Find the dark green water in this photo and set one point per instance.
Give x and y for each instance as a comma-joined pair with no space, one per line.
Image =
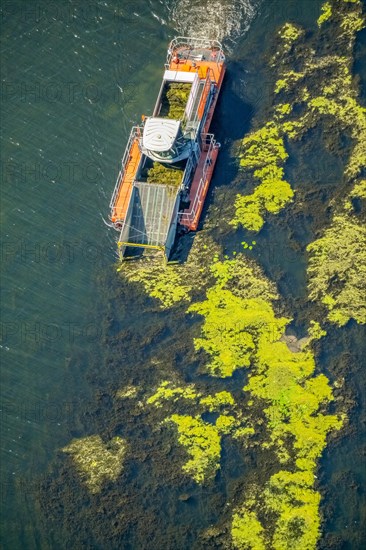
75,76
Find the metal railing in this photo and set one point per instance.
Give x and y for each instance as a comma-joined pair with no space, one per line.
208,144
202,105
134,135
192,43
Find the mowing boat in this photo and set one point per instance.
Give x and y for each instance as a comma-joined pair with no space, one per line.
170,158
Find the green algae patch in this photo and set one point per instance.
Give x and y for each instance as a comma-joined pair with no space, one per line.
358,191
288,497
326,13
96,461
173,284
168,392
216,402
243,278
234,310
282,383
247,531
225,424
322,88
165,283
230,324
291,497
289,34
337,269
263,154
202,443
291,398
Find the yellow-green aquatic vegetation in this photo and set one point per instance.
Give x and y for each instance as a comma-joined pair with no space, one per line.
357,160
289,33
247,532
326,13
243,432
244,278
271,196
359,190
175,99
165,283
225,424
224,336
230,324
283,109
128,392
168,392
263,153
295,503
289,498
263,147
289,80
96,461
353,22
285,382
236,309
202,443
315,331
217,401
164,174
293,400
337,270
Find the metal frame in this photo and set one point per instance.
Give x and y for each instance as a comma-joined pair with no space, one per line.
189,216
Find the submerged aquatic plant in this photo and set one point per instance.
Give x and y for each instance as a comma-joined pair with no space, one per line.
163,282
283,384
326,13
216,402
169,392
263,153
337,269
241,329
96,461
323,87
232,317
202,442
247,531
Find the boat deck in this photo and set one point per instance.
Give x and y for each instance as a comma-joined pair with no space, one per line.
188,65
151,215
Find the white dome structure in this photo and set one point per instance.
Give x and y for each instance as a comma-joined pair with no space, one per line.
160,134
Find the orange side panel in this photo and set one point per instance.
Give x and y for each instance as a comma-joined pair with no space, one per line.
120,207
193,223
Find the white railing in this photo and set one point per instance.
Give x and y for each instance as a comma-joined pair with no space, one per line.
135,134
203,102
187,172
192,43
192,97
